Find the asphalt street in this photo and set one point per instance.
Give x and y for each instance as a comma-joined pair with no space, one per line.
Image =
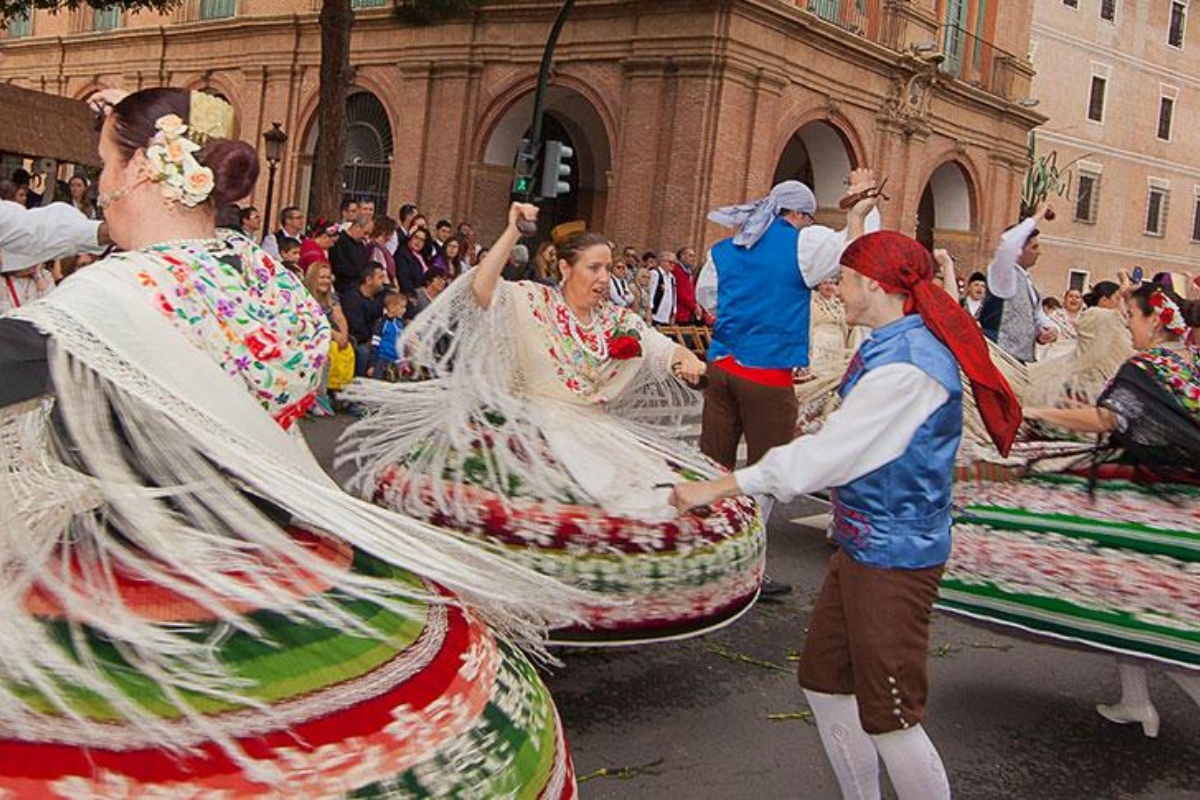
721,717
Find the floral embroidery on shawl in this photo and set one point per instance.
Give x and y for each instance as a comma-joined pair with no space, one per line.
576,350
249,314
1178,374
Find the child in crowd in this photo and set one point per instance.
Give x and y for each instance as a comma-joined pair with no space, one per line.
387,361
289,255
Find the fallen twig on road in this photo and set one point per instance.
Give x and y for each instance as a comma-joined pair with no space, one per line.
621,773
733,655
803,716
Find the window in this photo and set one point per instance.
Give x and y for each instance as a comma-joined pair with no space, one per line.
1087,197
1077,279
1108,10
1196,218
1156,210
368,3
1071,3
217,9
1177,24
1166,107
1096,99
20,26
106,19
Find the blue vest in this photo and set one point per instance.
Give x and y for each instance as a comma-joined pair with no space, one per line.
762,301
898,517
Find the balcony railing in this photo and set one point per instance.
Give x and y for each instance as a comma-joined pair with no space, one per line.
978,62
860,17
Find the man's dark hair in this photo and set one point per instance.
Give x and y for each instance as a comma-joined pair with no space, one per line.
432,275
369,272
444,223
286,212
407,212
21,176
976,276
1035,233
288,243
246,213
346,203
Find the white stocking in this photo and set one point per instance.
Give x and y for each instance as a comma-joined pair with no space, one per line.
847,745
1134,691
1134,705
913,764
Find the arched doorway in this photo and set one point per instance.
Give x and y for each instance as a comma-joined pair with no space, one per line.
367,156
947,210
819,156
570,118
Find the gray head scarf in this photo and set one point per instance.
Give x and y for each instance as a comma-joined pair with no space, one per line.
754,218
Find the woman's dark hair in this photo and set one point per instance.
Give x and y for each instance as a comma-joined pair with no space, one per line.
572,247
1189,308
1100,291
384,226
8,189
234,163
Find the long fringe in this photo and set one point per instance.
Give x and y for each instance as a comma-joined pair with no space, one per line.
149,487
473,422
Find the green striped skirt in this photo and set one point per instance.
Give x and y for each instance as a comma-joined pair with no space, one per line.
1117,570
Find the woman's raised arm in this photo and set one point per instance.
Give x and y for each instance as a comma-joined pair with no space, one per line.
487,274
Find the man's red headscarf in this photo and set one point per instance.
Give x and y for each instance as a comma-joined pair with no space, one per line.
901,264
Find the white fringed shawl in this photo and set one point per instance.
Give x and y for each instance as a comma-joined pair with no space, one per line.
598,432
169,447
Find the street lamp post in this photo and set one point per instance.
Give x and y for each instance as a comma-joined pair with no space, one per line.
275,140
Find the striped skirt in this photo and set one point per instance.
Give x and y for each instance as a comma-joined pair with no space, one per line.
431,705
1117,569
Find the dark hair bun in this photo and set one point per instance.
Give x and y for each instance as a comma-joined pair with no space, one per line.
235,169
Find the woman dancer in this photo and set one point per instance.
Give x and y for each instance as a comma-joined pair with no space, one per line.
190,606
1100,344
538,433
828,344
1110,564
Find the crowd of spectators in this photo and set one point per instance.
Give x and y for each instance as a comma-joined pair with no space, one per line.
372,274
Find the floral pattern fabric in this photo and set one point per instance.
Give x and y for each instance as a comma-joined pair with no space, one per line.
1178,373
589,359
248,313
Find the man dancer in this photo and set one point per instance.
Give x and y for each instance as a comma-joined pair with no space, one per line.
758,283
1011,314
889,452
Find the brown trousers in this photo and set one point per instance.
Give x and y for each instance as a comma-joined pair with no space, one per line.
734,406
869,636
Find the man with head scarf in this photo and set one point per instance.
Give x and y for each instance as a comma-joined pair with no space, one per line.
759,284
888,451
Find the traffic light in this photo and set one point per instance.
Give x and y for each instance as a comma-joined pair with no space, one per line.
554,171
525,168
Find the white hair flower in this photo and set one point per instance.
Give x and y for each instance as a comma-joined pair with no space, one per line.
173,164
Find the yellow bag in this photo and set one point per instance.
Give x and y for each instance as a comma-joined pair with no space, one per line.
341,366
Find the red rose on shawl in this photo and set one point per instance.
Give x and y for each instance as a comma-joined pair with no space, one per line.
624,347
287,417
263,345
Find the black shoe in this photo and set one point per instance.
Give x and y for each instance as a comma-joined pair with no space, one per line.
771,590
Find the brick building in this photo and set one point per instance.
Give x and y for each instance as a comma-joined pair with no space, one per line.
1120,83
672,107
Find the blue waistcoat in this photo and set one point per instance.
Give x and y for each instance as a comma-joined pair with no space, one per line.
762,301
898,516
